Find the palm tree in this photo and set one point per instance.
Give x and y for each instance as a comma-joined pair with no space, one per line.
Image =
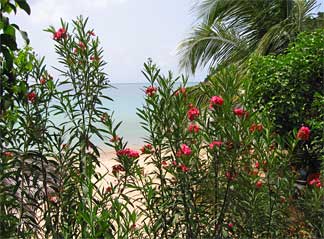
231,30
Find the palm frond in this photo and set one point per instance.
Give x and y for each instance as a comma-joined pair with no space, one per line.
209,45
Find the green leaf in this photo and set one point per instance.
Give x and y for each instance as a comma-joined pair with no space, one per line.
8,41
24,35
23,5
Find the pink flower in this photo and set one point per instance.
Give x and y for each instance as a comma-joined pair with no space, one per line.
183,168
91,33
164,163
230,176
314,179
150,91
174,163
215,100
8,154
258,184
42,81
82,45
230,225
240,112
146,149
217,143
257,165
193,113
31,97
182,90
53,199
193,128
254,127
128,153
59,34
185,149
303,133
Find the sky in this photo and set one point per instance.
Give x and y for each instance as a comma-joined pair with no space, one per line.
130,31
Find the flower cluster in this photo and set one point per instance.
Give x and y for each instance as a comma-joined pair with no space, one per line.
31,97
59,34
147,149
193,113
214,101
256,127
8,154
230,176
314,179
184,150
194,128
240,112
182,91
114,139
117,168
215,143
150,91
303,133
128,153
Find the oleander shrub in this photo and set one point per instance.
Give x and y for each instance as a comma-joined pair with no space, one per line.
218,171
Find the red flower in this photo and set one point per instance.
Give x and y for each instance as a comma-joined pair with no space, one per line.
230,176
53,199
91,33
82,45
8,154
258,184
42,81
150,91
164,163
31,97
193,113
174,163
230,225
254,127
94,58
193,128
217,143
147,149
128,153
257,165
117,168
303,133
108,189
215,100
59,34
103,119
185,149
314,179
240,112
182,90
183,168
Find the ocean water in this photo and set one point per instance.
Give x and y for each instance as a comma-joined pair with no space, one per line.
127,98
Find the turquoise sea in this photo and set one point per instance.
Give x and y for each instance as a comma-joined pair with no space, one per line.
127,97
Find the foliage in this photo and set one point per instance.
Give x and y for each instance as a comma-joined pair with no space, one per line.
8,46
226,184
215,171
230,31
290,87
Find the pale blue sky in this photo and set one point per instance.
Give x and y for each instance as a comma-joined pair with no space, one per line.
130,31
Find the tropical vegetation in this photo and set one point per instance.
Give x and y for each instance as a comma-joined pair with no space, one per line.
238,156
